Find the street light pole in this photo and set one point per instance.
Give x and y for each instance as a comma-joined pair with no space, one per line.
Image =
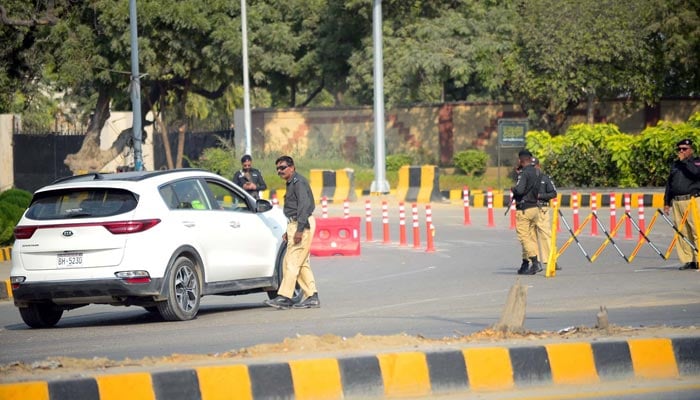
135,89
246,85
380,184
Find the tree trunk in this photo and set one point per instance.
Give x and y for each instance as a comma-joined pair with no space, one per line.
164,132
180,143
90,157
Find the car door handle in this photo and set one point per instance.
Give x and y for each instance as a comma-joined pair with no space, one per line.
234,224
189,224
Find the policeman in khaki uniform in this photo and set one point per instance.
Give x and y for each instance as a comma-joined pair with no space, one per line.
527,213
298,208
682,187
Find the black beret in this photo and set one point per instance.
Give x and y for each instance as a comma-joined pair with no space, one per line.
524,153
686,142
246,157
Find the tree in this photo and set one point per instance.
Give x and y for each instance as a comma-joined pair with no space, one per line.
567,51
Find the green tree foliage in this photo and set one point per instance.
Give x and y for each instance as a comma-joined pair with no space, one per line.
548,56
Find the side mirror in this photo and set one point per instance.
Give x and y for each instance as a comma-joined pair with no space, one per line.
263,205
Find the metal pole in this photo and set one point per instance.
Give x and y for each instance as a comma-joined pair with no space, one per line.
246,85
135,89
380,184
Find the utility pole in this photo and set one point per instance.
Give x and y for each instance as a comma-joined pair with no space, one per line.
380,184
246,85
135,89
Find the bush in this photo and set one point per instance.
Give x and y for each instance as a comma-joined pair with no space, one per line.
395,161
601,155
471,162
13,202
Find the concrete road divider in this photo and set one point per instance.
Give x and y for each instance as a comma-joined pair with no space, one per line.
337,186
419,183
415,373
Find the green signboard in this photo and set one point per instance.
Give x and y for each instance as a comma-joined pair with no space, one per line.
511,132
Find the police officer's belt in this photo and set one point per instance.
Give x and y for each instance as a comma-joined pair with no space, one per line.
685,197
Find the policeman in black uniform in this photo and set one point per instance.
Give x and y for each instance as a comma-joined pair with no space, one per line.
299,206
682,187
526,213
249,178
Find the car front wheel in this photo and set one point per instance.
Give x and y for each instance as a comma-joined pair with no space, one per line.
40,315
184,292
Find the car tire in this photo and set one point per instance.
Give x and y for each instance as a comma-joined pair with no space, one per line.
40,315
279,270
184,292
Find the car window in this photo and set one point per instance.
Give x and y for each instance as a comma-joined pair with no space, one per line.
81,203
185,194
226,198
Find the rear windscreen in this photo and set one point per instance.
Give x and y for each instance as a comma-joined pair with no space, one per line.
81,203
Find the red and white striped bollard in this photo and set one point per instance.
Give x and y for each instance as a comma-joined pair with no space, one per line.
402,224
416,232
368,221
465,201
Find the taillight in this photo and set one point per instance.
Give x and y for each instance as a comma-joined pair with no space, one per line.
121,227
24,232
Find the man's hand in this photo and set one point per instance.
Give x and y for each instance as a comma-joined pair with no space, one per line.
284,236
297,237
666,209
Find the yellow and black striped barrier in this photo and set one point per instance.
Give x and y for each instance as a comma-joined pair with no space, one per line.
337,186
419,184
5,253
414,373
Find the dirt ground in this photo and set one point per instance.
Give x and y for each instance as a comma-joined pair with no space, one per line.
305,346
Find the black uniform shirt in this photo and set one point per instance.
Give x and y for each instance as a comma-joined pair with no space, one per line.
240,177
526,188
299,201
683,179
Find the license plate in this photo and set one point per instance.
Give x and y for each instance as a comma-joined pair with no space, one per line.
68,260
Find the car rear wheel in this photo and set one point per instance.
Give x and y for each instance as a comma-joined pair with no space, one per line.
279,270
41,315
184,292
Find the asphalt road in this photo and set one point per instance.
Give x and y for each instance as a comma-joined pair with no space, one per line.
458,289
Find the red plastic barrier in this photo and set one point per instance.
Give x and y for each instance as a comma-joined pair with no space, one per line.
336,237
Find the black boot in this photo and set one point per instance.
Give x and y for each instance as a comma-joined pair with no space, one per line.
535,266
523,267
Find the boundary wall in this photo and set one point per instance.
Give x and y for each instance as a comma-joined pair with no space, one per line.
412,373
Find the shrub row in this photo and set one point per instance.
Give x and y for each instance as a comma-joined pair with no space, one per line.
13,202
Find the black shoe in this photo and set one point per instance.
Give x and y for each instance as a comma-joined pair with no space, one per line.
280,303
535,266
557,267
690,265
523,267
309,302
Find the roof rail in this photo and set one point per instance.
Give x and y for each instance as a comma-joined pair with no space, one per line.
92,176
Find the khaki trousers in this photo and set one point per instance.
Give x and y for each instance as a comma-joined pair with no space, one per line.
296,266
685,252
544,234
525,229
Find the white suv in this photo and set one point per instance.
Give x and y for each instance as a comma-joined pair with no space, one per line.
160,240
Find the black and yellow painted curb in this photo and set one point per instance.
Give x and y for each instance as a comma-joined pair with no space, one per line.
416,373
